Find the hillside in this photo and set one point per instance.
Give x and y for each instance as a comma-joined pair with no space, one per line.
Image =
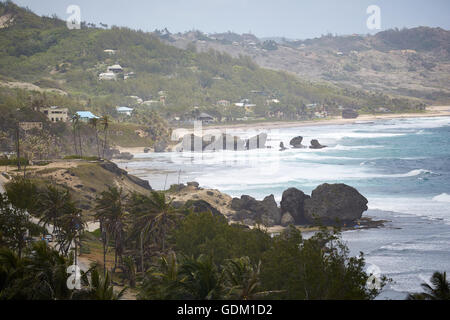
40,53
409,62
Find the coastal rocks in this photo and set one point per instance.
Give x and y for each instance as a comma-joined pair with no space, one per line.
256,142
140,182
193,143
316,145
287,220
160,146
193,184
334,203
282,147
349,114
296,143
292,202
250,209
199,206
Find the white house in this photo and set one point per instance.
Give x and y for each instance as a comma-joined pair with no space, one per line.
115,68
124,110
110,51
107,76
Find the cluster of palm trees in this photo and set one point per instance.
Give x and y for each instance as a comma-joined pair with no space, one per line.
199,278
98,124
135,226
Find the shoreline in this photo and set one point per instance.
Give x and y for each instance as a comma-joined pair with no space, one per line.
433,111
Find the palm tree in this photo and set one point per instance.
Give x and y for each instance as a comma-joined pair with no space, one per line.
153,217
52,205
94,123
165,218
75,126
440,289
201,278
112,215
71,225
104,121
97,287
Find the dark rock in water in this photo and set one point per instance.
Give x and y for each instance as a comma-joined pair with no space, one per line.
265,211
256,142
297,143
316,145
282,147
334,203
225,142
193,184
202,206
293,201
349,114
147,150
287,220
140,182
160,146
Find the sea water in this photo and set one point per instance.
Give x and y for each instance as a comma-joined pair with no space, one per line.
402,166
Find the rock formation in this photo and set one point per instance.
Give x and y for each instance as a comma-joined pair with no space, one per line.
296,143
253,211
334,203
256,142
292,202
316,145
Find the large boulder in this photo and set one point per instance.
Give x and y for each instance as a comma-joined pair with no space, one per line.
332,204
292,202
287,220
316,145
249,209
202,206
256,142
296,143
225,142
160,146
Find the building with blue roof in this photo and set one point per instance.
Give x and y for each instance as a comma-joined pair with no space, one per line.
86,115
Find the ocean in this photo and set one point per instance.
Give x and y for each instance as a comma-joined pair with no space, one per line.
401,166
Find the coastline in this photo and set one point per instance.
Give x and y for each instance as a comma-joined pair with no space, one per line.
432,111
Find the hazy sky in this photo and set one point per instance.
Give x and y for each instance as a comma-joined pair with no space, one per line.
297,19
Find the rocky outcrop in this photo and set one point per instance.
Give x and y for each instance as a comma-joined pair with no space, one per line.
160,146
349,114
296,143
112,167
201,206
287,220
193,184
292,202
256,142
253,211
316,145
225,142
334,204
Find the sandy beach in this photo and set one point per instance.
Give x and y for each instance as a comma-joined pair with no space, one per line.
432,111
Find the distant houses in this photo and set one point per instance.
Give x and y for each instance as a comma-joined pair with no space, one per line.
117,68
85,116
205,118
56,114
27,126
124,111
107,76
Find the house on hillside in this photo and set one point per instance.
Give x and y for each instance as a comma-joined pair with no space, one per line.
56,114
85,116
115,69
223,103
111,52
124,110
206,118
107,76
